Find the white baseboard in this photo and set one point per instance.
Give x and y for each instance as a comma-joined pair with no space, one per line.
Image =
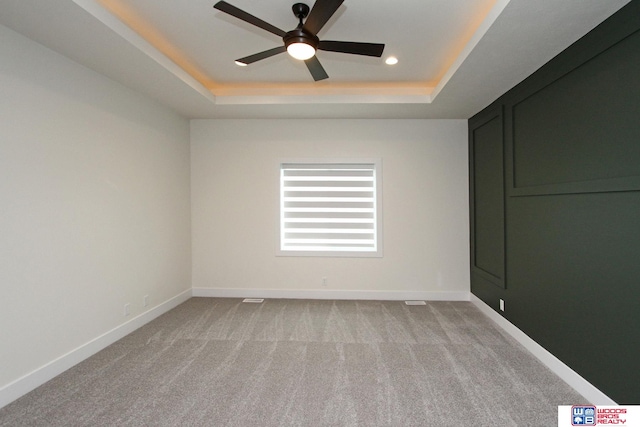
331,294
568,375
32,380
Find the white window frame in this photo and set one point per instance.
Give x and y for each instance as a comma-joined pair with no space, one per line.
375,210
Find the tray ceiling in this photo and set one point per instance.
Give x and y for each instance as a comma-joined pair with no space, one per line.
455,56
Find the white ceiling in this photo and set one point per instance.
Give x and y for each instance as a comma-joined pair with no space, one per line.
456,56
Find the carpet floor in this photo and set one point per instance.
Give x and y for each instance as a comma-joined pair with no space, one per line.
222,362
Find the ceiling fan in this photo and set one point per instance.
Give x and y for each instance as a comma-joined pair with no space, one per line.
302,42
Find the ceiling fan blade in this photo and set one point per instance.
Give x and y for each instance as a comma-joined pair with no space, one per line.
321,12
246,17
262,55
368,49
316,69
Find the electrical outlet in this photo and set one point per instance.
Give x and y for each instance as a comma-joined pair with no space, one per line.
145,300
501,304
127,309
324,281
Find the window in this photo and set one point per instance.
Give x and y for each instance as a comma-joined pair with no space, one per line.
331,208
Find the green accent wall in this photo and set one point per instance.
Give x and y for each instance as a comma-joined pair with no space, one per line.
555,206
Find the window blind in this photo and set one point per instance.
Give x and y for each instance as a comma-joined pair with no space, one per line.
328,207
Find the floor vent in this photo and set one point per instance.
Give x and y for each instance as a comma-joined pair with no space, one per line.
253,300
415,302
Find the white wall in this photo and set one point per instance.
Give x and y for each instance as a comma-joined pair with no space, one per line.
94,205
234,176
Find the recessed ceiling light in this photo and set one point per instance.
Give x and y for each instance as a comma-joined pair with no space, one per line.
392,60
241,64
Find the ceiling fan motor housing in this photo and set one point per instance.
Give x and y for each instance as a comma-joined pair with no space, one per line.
299,35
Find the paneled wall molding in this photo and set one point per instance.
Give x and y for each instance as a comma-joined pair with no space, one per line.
550,148
568,212
486,184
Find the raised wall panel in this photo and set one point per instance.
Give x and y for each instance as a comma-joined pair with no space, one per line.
487,201
574,276
577,134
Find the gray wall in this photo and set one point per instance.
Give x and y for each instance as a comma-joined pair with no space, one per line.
94,207
235,208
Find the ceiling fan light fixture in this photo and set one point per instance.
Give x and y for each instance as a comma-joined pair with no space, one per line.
302,42
301,51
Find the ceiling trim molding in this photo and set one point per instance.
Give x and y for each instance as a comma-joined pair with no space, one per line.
103,15
477,36
322,99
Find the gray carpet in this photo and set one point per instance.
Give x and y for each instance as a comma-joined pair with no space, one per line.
221,362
